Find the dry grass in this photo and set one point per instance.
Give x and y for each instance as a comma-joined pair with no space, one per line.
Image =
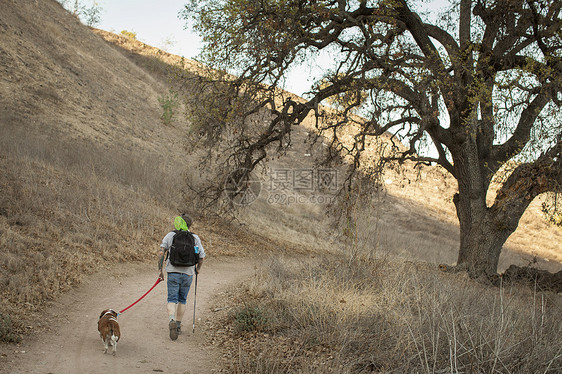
334,314
66,211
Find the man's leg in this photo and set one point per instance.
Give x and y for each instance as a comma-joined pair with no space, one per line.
185,285
173,293
172,310
173,326
179,315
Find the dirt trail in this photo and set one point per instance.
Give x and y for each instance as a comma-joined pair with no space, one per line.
71,343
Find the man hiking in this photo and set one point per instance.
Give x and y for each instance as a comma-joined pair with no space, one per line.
183,252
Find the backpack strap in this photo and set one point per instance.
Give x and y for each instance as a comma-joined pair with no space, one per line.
168,250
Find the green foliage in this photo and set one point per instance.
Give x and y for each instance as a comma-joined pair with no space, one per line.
251,318
7,333
89,15
129,34
169,102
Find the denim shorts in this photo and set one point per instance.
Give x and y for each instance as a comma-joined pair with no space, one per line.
178,287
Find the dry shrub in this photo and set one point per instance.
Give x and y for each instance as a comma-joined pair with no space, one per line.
333,315
6,330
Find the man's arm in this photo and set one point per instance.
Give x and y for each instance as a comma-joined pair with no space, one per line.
164,247
199,264
161,263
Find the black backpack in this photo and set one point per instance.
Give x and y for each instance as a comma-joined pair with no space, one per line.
182,251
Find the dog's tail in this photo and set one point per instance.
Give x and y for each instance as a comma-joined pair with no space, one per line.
112,331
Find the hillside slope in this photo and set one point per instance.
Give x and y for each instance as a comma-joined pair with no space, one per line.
89,175
58,77
83,179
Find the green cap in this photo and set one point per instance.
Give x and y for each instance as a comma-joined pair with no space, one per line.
180,224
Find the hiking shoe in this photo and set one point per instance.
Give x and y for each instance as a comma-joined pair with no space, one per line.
179,329
173,330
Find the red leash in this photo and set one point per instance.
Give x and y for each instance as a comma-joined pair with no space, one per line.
155,284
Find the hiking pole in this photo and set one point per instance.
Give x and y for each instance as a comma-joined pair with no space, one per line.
194,301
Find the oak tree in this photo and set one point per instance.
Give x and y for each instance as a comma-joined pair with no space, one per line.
481,85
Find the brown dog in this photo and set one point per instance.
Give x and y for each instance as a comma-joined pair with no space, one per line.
109,329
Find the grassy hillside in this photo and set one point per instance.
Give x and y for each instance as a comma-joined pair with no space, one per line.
85,180
90,176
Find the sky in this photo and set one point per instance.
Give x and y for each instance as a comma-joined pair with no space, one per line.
156,23
153,21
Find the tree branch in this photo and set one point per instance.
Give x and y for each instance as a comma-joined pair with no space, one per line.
529,180
522,134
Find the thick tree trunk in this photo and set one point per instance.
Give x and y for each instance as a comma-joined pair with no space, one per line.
483,229
483,233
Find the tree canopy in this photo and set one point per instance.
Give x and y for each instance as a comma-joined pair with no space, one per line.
481,85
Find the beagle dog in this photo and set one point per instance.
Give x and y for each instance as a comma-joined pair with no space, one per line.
109,329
